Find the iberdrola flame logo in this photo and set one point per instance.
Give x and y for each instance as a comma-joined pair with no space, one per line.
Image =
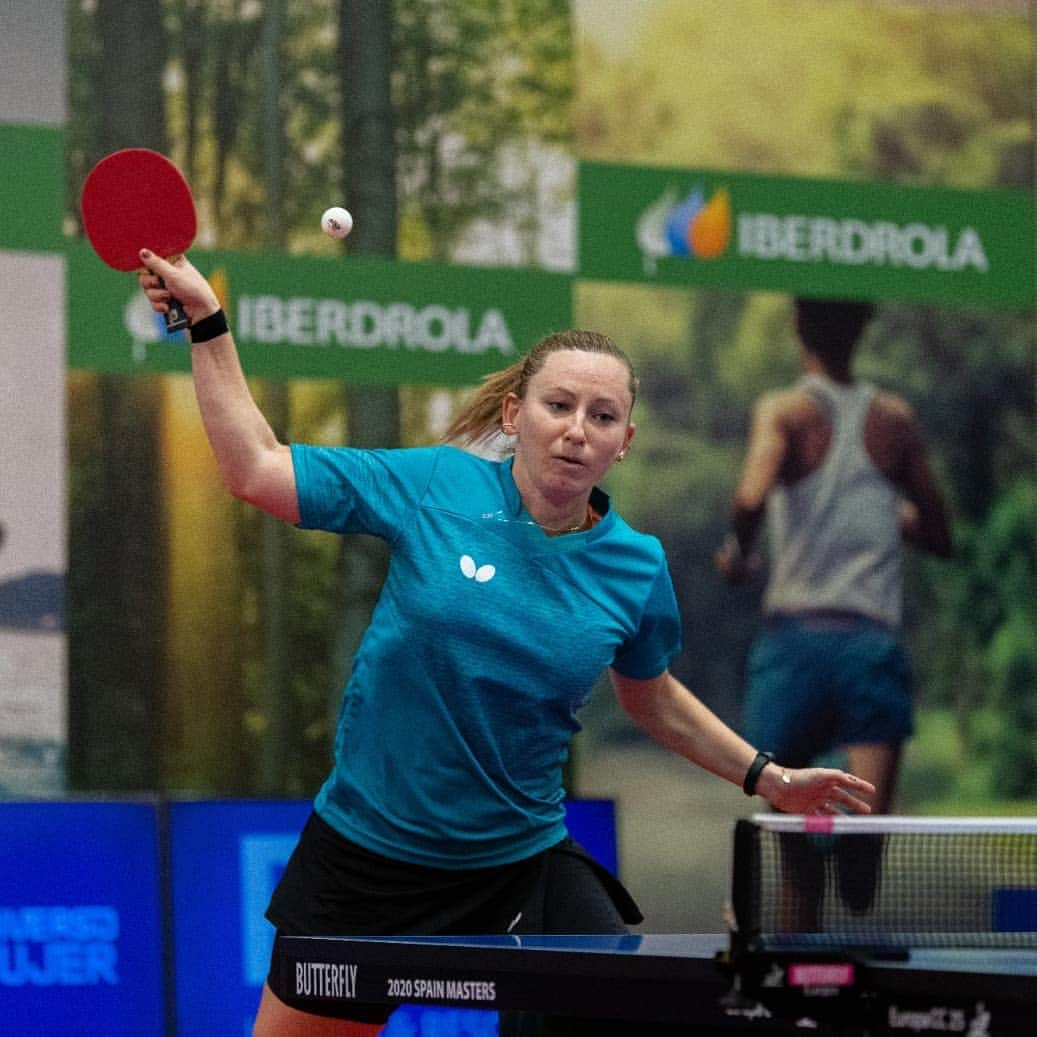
692,226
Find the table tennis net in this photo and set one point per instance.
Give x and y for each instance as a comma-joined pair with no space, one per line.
882,883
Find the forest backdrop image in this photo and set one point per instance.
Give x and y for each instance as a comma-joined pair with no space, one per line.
894,93
208,646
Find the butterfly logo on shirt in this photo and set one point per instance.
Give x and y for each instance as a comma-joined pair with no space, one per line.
479,573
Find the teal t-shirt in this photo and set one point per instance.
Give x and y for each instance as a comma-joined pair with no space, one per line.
486,639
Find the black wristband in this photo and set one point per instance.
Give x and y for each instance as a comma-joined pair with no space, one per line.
210,327
752,775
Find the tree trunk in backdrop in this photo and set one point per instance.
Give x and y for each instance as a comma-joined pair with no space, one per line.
369,164
272,777
117,562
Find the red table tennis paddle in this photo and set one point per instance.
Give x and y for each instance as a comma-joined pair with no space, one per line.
133,199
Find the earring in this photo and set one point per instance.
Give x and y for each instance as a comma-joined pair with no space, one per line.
508,429
620,456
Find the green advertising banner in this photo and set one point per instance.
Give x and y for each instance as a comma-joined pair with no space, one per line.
363,321
700,228
32,187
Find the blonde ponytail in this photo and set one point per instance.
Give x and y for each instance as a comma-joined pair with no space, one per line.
481,417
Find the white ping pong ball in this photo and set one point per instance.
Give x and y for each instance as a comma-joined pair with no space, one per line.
336,222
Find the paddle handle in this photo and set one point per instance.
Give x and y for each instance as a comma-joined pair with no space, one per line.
176,316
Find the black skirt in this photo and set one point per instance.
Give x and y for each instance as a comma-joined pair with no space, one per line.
332,887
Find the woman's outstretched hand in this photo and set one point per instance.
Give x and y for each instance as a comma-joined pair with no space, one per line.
814,790
161,279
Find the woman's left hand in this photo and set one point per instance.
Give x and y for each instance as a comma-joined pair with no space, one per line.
814,790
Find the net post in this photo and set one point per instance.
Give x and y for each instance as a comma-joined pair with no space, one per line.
745,884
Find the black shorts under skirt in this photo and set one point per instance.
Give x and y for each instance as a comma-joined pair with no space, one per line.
332,887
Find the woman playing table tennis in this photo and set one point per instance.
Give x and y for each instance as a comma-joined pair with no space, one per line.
511,586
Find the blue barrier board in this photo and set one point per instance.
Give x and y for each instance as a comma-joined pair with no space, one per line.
81,928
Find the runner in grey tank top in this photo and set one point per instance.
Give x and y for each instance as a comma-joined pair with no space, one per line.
835,535
839,472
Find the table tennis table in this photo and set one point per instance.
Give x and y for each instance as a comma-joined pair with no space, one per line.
672,984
